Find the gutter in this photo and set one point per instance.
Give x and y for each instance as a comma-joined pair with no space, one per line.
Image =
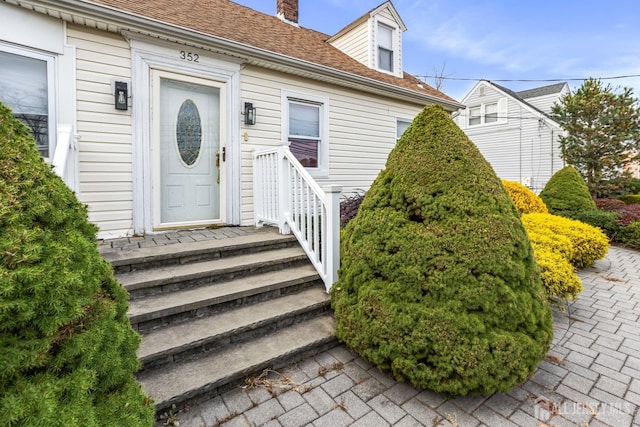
117,19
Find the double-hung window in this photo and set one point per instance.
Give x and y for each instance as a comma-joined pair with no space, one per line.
475,116
385,48
491,113
304,132
26,86
485,114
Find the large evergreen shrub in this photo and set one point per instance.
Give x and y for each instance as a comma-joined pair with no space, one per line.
566,194
67,350
438,282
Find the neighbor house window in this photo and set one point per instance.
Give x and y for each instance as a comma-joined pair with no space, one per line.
385,48
401,126
475,116
26,87
304,132
491,113
484,114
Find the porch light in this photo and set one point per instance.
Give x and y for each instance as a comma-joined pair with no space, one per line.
121,95
249,113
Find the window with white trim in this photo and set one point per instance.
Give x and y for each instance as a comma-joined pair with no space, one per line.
26,86
486,113
401,126
385,48
305,133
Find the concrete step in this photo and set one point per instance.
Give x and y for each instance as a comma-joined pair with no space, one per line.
159,310
174,277
198,379
263,239
181,341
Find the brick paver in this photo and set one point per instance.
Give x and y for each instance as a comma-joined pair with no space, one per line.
590,378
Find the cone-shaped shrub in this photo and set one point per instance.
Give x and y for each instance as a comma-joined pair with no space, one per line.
566,194
526,201
67,350
438,282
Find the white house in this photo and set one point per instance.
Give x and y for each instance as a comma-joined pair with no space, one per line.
514,130
154,111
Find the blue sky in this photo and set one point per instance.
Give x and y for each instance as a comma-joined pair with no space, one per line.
500,39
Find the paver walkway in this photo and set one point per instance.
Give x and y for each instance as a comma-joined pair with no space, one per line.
591,376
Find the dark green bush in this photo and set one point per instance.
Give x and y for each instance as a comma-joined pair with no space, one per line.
566,194
438,282
67,350
630,235
605,221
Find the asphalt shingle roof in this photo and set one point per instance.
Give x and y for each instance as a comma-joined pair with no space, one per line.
237,23
541,91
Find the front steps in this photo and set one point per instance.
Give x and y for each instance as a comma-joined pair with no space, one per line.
213,312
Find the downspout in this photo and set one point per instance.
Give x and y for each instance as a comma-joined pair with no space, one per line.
552,151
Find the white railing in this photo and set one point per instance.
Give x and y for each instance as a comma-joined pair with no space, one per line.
64,158
285,195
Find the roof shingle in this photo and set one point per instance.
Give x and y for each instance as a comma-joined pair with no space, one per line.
237,23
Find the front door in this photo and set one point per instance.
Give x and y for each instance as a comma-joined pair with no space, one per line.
188,153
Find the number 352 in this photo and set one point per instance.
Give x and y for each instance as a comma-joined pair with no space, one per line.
188,56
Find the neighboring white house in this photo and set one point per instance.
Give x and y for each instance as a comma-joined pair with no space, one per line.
514,130
152,110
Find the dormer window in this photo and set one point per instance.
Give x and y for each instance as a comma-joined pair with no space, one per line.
375,39
385,48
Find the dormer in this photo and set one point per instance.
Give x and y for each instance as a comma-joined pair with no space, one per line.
375,39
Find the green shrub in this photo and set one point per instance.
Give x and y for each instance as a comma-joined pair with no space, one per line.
526,201
566,194
438,282
67,350
589,243
605,221
630,199
630,235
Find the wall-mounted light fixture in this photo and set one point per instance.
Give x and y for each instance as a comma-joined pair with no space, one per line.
121,96
249,113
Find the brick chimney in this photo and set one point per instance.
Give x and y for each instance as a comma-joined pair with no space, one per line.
287,11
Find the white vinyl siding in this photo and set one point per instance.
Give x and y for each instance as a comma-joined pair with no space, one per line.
520,148
355,43
362,129
544,103
105,144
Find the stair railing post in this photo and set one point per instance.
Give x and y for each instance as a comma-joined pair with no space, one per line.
284,188
332,234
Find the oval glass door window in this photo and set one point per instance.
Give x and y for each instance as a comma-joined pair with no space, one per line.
189,132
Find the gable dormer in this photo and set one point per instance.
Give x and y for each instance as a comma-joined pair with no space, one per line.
375,39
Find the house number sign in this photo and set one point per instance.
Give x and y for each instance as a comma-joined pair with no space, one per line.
188,56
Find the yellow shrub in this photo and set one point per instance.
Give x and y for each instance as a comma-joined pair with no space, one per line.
589,243
557,274
545,238
526,201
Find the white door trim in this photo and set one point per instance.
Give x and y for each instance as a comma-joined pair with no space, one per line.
166,56
156,76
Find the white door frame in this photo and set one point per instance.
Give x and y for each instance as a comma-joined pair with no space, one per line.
148,55
156,77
